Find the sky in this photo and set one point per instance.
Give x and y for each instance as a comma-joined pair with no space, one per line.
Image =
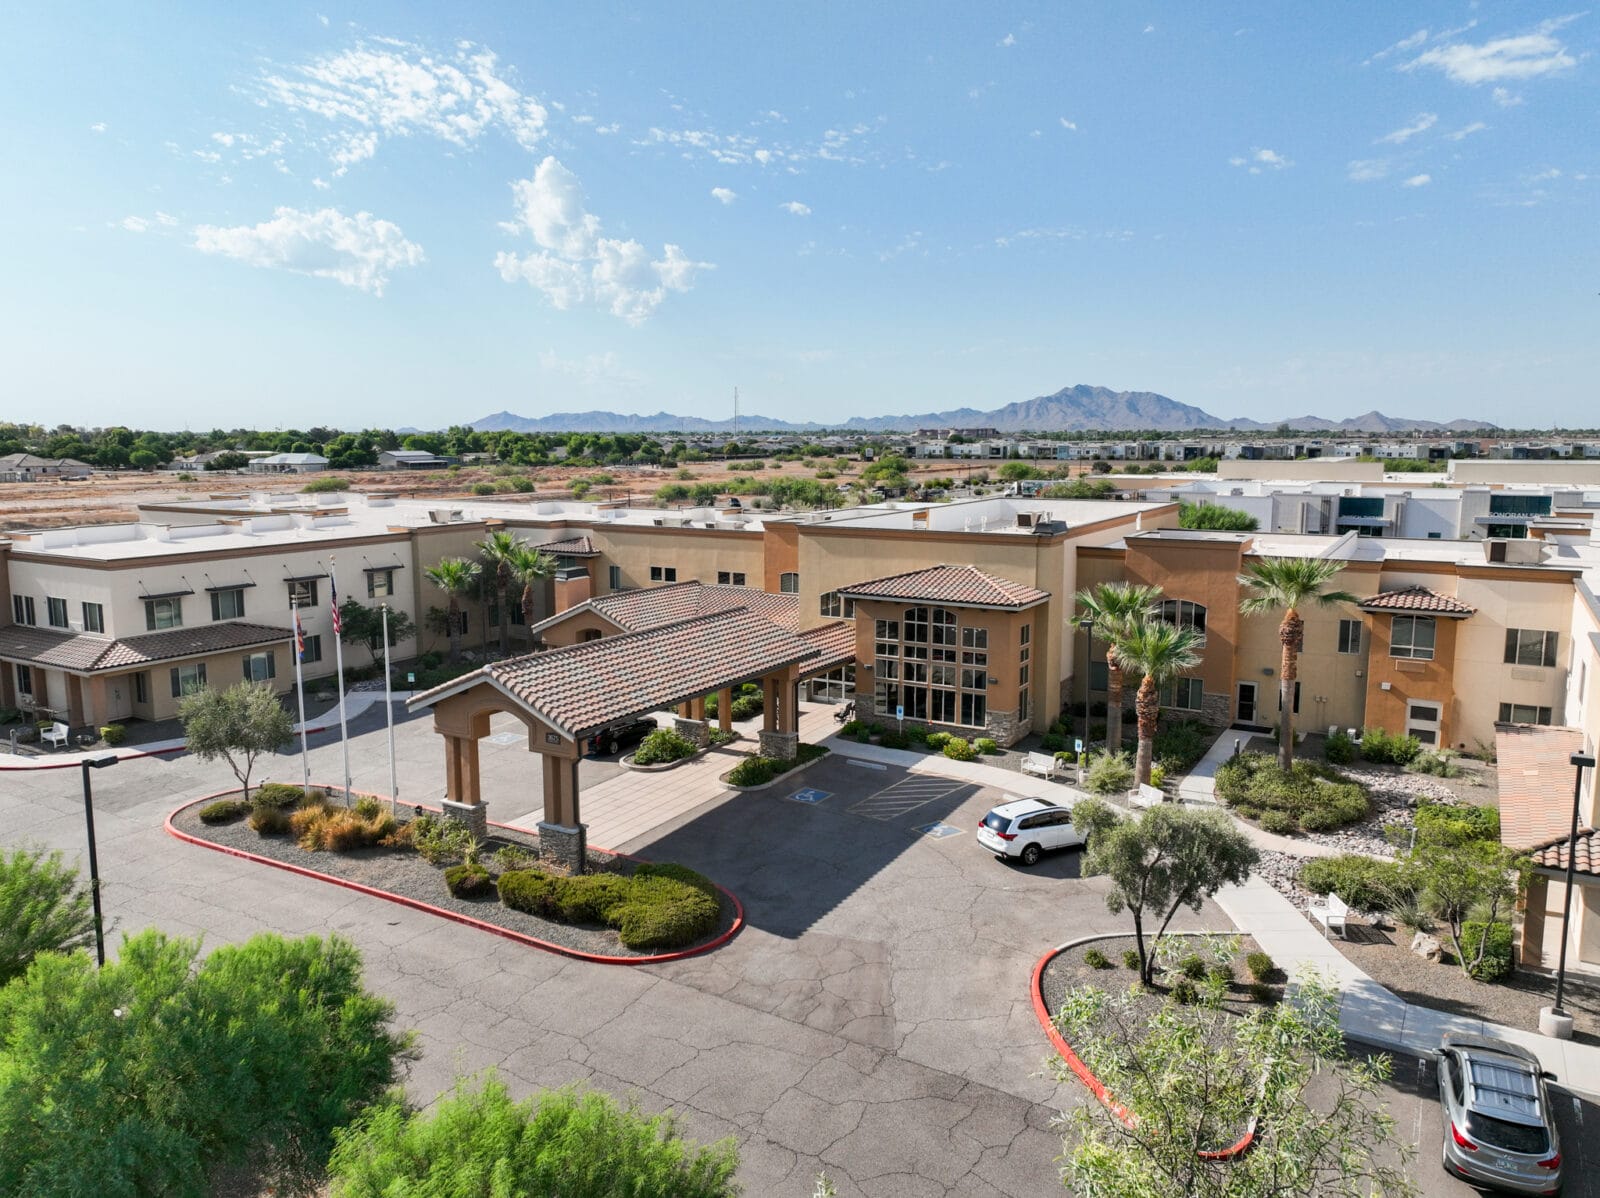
390,215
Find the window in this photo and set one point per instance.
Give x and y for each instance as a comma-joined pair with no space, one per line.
163,613
1523,713
380,584
887,635
1296,697
730,578
789,583
56,612
188,679
1182,693
1022,704
24,680
313,649
94,618
1184,614
1412,636
303,593
975,638
833,604
1530,647
1349,636
916,625
22,609
944,631
227,605
614,577
663,573
1099,675
141,687
974,709
258,667
975,679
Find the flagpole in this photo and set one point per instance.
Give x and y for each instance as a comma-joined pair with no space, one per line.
338,657
300,695
388,711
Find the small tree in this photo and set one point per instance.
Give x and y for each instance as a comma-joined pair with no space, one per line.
1167,858
1190,1077
42,909
363,625
1207,515
1115,608
1460,879
238,725
1161,652
456,577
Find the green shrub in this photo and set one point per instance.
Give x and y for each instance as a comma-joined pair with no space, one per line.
958,749
894,740
327,484
1495,940
986,746
1365,883
1184,991
1158,775
578,1144
223,811
1279,823
1130,959
1220,974
1444,823
468,879
278,794
678,873
43,908
938,740
1316,796
664,913
589,898
368,807
746,707
664,745
1181,743
1441,764
268,820
852,727
1051,742
113,734
1109,773
1260,965
512,856
530,891
1379,746
1193,966
752,771
1339,749
1262,993
1095,959
1246,811
442,841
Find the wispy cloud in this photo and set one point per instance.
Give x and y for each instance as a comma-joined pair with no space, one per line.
796,208
724,195
574,265
1466,131
1070,126
1418,181
1423,122
98,127
135,224
1400,47
1505,98
358,251
1525,56
743,149
1366,170
1009,40
1260,160
591,370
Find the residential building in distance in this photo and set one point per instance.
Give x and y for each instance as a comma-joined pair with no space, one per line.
27,468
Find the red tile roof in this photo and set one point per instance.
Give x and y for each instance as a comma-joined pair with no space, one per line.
86,654
579,546
960,586
1535,776
651,607
836,642
1554,855
1418,599
584,687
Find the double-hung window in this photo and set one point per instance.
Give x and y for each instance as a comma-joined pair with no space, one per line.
1182,693
259,667
1530,647
1524,713
303,593
227,605
56,611
94,617
1413,637
163,613
663,573
730,578
22,610
1349,636
188,679
380,584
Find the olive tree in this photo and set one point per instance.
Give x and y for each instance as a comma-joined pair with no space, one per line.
1458,880
238,725
1166,858
1190,1079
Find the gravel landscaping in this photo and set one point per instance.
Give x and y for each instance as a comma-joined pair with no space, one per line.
1068,970
407,875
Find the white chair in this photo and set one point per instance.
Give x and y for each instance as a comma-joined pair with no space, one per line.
1042,764
57,735
1331,914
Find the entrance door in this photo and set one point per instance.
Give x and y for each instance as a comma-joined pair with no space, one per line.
1422,721
1247,702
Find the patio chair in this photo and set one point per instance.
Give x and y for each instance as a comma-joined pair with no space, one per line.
57,734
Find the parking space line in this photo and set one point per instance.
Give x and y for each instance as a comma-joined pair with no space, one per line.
904,797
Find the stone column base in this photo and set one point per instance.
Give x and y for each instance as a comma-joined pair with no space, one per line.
569,846
474,815
695,730
784,746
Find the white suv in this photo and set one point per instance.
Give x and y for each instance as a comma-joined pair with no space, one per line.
1027,828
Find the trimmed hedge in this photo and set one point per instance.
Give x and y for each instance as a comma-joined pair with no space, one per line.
752,771
664,745
1310,795
1496,962
1366,883
281,795
1385,749
223,811
468,879
662,906
959,749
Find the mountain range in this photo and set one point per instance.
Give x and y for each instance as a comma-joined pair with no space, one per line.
1072,409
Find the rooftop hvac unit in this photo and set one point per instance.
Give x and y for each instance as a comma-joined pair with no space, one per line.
1024,519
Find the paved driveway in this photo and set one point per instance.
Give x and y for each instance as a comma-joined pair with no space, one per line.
872,1020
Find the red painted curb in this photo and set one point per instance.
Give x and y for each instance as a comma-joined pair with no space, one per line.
1095,1085
67,765
458,917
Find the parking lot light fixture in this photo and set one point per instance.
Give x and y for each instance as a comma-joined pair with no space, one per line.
1087,624
1580,762
94,763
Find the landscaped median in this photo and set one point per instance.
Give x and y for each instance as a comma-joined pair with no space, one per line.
624,911
757,773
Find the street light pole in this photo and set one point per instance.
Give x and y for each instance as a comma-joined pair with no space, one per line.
94,763
1088,665
1579,762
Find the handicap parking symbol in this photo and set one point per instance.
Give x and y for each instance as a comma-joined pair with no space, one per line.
810,795
937,831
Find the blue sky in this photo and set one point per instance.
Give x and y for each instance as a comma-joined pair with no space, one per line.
412,215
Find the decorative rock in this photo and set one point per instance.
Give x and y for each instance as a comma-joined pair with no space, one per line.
1427,947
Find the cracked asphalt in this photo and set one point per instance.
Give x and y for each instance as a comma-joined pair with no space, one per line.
873,1019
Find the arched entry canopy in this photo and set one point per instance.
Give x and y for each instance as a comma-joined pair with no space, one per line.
564,696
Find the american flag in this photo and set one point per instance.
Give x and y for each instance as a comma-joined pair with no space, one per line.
299,637
333,598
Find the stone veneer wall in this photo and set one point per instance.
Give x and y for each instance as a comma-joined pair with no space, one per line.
1003,727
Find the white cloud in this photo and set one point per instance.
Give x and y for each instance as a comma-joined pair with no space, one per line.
575,265
1506,99
98,127
1466,131
591,370
613,127
1526,56
796,208
358,251
321,184
1399,47
1149,28
1071,126
223,139
1010,39
323,19
384,88
725,195
135,224
1423,122
1418,181
1365,170
1260,160
166,218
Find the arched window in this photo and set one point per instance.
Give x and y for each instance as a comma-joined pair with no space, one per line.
1184,614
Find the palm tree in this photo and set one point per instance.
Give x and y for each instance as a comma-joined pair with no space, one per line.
1160,651
1290,583
1114,607
528,566
454,576
498,550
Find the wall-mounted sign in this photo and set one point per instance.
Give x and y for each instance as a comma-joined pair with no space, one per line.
552,738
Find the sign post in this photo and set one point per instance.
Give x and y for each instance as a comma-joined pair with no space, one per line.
900,717
1077,755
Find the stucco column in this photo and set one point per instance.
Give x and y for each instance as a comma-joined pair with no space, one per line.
560,790
724,709
8,683
1534,904
96,706
461,769
75,717
769,704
